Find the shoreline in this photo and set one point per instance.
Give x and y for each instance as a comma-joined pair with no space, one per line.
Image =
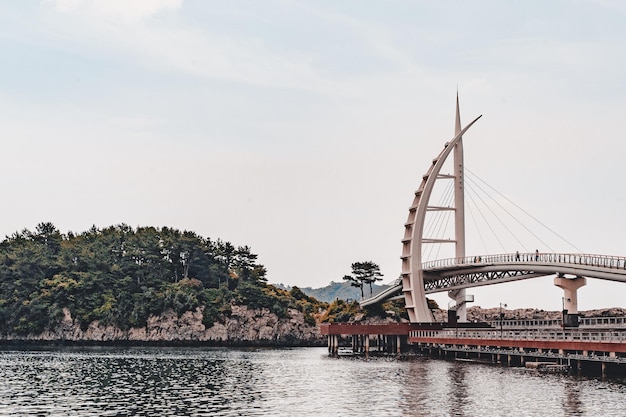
135,343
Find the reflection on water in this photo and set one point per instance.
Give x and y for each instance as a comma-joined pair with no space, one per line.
458,390
284,382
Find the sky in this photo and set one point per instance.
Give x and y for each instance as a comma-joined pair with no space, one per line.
302,128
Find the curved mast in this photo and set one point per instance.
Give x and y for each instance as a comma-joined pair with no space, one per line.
412,274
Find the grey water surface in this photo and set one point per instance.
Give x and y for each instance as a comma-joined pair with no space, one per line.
284,382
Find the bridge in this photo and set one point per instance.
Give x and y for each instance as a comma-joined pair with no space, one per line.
571,342
460,272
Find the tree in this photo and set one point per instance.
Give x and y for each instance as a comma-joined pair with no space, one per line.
354,282
368,272
121,276
364,273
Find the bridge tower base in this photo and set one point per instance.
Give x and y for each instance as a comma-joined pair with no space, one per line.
570,288
460,304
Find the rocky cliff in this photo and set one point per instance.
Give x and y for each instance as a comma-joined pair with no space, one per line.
243,327
248,327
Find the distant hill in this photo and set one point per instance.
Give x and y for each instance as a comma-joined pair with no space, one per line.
337,290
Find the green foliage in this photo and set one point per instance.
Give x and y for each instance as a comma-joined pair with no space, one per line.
217,307
309,306
182,296
120,276
258,295
397,308
298,294
340,311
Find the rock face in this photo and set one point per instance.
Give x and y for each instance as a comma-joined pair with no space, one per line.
243,327
251,327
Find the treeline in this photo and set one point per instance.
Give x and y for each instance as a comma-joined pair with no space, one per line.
120,276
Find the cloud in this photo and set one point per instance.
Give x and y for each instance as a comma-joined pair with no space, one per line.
613,5
136,9
250,56
122,30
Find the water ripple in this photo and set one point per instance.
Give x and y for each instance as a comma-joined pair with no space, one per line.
283,382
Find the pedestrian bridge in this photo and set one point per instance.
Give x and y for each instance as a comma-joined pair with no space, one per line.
420,277
475,271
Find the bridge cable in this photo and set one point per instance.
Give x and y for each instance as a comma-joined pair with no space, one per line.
446,216
511,215
498,217
437,223
435,217
485,219
471,212
525,212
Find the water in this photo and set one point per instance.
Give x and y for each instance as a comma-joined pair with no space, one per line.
284,382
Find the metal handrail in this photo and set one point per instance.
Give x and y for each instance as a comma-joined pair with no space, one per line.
583,322
587,335
603,261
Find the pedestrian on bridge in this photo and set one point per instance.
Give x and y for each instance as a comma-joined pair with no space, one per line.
517,255
536,254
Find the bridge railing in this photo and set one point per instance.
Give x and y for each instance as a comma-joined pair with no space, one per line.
602,261
590,323
523,324
523,334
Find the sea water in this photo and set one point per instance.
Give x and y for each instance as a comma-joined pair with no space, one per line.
284,382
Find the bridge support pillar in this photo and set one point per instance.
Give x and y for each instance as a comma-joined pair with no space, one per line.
460,300
333,344
570,288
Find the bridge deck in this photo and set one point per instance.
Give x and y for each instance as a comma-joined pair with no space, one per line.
473,271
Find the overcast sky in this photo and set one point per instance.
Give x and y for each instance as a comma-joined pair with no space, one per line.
302,128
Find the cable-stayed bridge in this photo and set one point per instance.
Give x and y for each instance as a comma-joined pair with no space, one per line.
569,343
456,273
